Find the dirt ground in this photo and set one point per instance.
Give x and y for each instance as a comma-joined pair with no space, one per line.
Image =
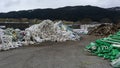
70,54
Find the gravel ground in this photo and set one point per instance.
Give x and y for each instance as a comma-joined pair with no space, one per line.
70,54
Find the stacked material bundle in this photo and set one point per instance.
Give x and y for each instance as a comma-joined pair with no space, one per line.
108,48
44,31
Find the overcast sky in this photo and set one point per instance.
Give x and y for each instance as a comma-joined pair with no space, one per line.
15,5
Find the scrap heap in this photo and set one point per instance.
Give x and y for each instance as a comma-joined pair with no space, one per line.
48,31
44,31
104,29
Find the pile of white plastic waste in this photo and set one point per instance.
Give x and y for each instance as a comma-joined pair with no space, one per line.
48,31
44,31
10,38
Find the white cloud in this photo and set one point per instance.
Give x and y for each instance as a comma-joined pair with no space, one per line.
12,5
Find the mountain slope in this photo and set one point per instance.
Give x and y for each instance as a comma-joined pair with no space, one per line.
74,13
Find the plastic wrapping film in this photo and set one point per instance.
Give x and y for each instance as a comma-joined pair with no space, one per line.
47,30
108,48
44,31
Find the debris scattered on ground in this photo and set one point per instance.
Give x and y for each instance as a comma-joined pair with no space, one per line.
108,48
84,28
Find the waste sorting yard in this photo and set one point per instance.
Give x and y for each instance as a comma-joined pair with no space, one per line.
55,45
69,54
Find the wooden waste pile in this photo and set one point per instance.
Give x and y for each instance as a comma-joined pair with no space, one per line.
104,29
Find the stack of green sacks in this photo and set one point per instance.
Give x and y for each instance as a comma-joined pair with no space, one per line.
103,49
108,48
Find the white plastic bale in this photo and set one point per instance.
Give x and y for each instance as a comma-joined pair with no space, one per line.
19,43
6,42
15,44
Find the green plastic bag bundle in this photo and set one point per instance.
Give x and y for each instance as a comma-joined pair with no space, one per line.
108,48
103,49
